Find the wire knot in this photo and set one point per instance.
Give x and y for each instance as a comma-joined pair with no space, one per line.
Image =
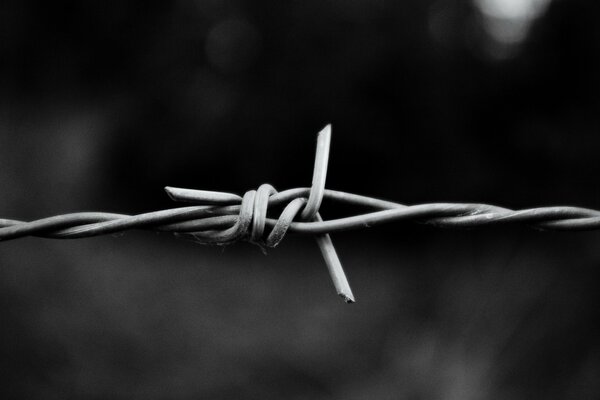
251,218
245,218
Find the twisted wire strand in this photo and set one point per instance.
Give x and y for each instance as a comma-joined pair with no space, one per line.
222,218
205,221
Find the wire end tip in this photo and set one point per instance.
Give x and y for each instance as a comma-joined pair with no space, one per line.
325,131
348,298
170,192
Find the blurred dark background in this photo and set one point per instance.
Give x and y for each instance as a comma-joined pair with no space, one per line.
104,103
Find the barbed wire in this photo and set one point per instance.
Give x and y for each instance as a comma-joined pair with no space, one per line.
224,218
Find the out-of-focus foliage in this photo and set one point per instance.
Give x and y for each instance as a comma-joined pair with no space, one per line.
104,103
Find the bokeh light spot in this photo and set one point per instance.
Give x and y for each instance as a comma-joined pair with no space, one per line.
507,22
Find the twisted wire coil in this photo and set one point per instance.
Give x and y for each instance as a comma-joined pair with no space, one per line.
224,218
208,223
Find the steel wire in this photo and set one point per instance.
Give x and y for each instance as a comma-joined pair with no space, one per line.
203,218
223,218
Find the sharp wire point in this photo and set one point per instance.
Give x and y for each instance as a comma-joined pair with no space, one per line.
311,213
347,299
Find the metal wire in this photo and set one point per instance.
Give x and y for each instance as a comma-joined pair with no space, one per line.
196,219
223,218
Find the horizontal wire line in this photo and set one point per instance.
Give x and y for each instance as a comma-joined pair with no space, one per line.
209,218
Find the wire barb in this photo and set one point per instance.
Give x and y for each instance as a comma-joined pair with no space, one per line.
224,218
